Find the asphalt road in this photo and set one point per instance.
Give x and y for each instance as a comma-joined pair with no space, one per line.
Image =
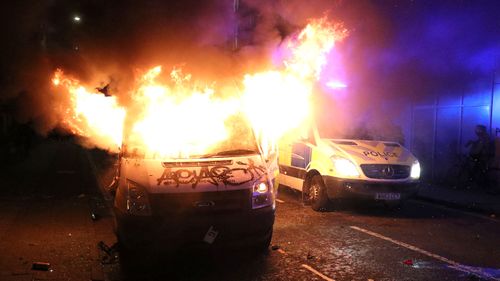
47,202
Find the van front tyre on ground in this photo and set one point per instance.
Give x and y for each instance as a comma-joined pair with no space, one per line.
317,196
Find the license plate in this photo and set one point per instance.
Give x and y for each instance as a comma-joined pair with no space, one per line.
387,196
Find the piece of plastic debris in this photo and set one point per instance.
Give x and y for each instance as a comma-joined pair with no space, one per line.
105,248
408,262
94,216
38,265
211,235
275,247
110,252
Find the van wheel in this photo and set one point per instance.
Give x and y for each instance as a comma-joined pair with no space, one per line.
317,196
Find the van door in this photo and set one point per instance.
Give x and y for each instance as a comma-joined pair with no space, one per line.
295,172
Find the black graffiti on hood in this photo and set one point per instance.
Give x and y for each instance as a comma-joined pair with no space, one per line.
215,175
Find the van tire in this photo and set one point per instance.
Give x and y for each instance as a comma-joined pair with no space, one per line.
316,194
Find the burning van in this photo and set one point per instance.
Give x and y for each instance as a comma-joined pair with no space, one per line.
326,169
224,196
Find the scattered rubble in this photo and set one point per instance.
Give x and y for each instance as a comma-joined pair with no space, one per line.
43,266
110,253
309,256
408,262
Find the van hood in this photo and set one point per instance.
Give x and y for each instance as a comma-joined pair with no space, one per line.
195,175
372,152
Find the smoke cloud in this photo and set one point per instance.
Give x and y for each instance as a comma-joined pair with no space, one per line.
396,51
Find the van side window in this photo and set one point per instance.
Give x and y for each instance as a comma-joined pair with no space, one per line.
301,155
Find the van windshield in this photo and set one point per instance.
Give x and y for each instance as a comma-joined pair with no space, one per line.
240,140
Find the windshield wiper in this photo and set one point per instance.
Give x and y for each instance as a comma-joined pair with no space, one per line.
236,152
233,152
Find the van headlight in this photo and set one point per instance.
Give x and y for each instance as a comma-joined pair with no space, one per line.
137,199
261,187
345,167
415,171
262,195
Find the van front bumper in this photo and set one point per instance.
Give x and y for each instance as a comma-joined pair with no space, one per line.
362,189
237,229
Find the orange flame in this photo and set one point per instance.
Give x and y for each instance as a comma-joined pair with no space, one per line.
180,118
284,96
195,118
91,114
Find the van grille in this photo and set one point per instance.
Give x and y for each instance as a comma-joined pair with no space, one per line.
385,171
200,202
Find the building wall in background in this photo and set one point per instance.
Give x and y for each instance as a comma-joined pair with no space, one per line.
441,126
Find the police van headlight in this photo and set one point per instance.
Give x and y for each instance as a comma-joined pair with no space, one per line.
262,195
415,170
345,167
137,199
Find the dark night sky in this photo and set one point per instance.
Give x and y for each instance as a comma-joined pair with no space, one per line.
396,49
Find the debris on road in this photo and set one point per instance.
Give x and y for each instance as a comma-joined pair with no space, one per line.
105,248
211,235
408,262
110,252
275,247
94,216
309,256
43,266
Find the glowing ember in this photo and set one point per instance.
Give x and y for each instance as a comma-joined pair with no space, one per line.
179,118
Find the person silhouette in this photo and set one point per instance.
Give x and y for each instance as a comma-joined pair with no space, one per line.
479,156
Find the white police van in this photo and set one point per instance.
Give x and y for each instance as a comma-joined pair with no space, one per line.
325,169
